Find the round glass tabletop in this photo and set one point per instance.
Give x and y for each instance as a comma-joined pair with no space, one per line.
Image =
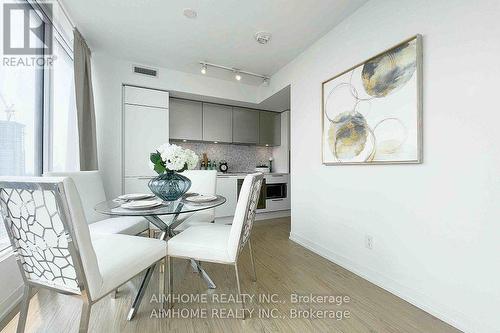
114,207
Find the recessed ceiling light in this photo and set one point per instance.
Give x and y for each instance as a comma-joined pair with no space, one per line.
190,13
263,37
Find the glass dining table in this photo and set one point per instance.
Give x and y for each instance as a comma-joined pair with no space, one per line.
172,209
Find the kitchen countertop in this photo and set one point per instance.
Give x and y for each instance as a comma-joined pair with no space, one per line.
242,174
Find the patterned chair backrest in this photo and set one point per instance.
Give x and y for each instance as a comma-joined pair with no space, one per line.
36,215
245,213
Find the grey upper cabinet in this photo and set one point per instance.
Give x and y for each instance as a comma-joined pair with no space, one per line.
245,126
217,123
185,120
269,128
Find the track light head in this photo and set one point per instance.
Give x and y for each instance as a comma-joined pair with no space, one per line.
203,69
237,75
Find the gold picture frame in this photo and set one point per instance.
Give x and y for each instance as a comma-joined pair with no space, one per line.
373,110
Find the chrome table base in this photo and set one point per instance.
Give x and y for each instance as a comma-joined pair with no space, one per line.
167,232
203,274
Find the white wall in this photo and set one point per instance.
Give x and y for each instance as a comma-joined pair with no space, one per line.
436,225
108,75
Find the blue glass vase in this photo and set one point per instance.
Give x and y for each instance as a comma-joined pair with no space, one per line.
169,186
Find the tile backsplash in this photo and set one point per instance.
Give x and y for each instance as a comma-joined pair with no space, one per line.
238,157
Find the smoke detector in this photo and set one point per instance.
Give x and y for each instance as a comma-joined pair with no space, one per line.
190,13
262,37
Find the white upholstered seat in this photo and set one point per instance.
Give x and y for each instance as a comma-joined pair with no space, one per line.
118,255
91,189
126,225
206,243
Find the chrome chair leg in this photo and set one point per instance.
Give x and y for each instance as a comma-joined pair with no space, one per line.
170,282
239,290
23,313
161,278
85,316
252,259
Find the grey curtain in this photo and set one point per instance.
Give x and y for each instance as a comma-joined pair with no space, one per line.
84,103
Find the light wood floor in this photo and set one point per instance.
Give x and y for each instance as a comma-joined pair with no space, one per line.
283,267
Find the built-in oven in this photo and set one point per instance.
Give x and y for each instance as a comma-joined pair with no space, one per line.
262,197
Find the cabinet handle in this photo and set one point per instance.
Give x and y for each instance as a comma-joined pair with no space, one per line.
276,199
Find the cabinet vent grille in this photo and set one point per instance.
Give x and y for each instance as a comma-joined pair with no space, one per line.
145,71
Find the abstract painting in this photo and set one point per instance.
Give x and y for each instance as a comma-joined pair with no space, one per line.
372,112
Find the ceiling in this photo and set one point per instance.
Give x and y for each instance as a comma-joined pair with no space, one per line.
278,102
155,32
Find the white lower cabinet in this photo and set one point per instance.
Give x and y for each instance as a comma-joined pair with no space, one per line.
227,187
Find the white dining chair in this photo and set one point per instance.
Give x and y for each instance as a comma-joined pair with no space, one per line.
50,237
91,189
202,182
218,243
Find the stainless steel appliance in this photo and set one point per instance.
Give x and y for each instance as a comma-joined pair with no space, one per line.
276,191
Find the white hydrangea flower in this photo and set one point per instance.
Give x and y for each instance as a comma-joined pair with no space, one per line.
176,158
192,159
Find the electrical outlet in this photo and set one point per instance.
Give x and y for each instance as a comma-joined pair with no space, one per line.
369,242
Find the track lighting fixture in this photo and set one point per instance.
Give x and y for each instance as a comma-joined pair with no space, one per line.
238,73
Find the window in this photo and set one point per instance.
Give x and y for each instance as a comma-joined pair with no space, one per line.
62,130
21,95
38,128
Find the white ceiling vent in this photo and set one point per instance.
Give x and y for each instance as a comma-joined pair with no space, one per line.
151,72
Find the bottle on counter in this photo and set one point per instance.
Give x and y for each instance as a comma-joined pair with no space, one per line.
209,165
270,164
203,165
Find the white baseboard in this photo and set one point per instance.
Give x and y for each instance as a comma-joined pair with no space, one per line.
437,309
272,215
258,216
9,303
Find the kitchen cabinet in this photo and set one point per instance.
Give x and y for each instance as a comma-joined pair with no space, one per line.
227,187
145,128
245,126
269,128
217,123
146,97
186,120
